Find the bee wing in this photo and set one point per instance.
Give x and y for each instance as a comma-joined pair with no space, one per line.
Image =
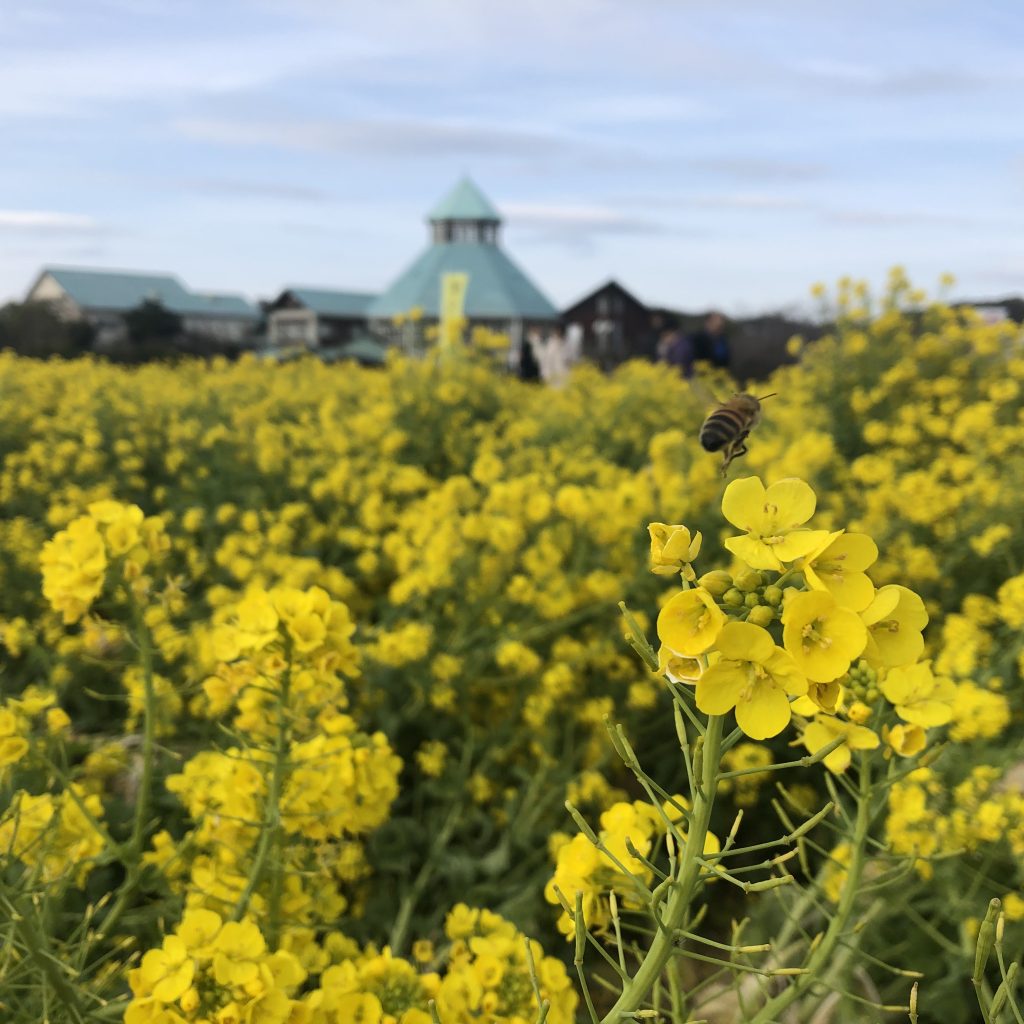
704,393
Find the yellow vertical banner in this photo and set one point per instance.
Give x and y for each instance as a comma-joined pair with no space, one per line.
453,303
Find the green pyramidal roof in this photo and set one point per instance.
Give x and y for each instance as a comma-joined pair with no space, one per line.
465,202
497,288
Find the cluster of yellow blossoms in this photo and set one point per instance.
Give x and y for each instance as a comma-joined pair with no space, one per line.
215,972
279,660
75,562
211,970
718,635
617,866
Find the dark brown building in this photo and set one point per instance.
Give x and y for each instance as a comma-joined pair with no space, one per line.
616,326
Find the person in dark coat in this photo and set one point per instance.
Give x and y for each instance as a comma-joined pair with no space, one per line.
711,342
676,349
529,365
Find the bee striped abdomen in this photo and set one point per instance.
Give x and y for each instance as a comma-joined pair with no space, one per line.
721,427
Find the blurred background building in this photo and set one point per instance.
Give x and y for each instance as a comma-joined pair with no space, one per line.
465,238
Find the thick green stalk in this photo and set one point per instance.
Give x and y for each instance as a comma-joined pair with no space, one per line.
271,832
825,951
674,909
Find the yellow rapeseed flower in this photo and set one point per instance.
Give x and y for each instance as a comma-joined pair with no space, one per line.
822,637
895,619
673,549
838,566
905,740
773,519
824,731
690,622
919,696
753,676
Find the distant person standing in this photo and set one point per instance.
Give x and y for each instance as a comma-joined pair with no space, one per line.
711,342
529,361
676,349
555,359
574,343
647,342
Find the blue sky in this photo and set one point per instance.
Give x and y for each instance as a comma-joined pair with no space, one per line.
704,154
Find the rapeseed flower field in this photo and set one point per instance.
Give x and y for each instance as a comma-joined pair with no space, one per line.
422,694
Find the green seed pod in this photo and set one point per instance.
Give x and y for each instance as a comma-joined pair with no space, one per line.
733,598
749,579
986,939
716,583
1003,992
762,615
773,595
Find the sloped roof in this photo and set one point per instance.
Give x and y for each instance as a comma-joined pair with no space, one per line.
112,289
464,202
497,289
216,304
612,284
330,303
121,291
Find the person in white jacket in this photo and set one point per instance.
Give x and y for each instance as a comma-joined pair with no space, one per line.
554,359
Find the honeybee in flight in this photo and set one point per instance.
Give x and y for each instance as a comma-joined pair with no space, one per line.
727,427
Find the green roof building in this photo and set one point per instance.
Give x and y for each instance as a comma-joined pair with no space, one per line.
464,229
102,297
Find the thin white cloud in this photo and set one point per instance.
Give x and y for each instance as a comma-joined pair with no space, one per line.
750,201
240,188
46,220
904,81
751,168
635,108
883,218
567,217
48,80
386,137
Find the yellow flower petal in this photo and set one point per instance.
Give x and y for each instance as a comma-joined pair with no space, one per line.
744,641
765,714
743,503
754,552
720,687
793,502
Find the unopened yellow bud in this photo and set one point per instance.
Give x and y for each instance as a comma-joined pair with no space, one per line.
716,583
733,598
858,712
749,579
762,615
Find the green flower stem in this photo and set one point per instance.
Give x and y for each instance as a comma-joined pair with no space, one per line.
825,950
271,832
401,926
131,850
145,795
800,762
663,945
36,942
